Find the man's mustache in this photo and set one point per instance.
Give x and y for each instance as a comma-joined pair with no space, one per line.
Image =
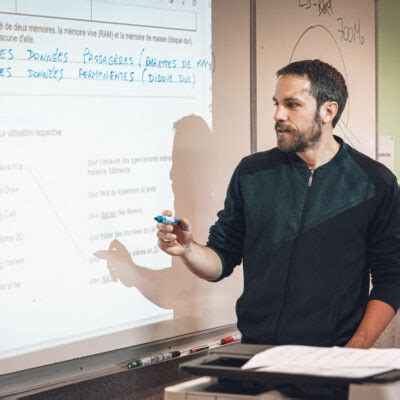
281,126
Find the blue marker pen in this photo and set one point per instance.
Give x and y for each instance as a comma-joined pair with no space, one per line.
163,219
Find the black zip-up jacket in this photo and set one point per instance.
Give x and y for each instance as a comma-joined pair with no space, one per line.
309,242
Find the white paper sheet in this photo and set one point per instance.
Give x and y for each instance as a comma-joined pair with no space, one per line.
323,361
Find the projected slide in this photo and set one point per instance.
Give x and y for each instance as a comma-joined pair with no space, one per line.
90,91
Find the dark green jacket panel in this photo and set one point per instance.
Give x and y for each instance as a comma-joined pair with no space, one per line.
330,302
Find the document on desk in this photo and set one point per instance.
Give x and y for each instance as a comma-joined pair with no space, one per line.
325,361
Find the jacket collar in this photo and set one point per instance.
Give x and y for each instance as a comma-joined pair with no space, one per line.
338,158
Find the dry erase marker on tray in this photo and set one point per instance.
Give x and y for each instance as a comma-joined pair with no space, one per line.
199,348
153,359
231,339
163,219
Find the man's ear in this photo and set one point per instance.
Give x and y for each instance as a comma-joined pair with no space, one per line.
328,111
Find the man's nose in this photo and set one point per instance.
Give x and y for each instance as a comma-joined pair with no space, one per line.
280,114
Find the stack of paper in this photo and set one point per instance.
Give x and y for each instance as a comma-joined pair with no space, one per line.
325,361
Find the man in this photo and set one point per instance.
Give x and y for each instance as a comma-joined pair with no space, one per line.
310,219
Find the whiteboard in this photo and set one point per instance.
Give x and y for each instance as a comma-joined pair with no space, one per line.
339,32
111,112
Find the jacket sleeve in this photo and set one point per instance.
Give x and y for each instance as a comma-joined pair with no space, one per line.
226,236
384,248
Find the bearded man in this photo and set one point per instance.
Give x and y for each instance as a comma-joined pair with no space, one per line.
312,220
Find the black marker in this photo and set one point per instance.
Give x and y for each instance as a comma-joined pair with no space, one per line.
153,359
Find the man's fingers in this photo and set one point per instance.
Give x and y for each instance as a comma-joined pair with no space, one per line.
165,227
171,243
185,225
166,244
166,236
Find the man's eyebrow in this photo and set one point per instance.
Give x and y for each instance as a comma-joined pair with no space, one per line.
286,99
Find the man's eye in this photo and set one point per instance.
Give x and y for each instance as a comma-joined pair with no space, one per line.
292,105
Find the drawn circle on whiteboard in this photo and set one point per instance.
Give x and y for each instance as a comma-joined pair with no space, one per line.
317,41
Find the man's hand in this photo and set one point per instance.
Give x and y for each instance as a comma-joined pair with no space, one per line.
177,240
357,343
174,239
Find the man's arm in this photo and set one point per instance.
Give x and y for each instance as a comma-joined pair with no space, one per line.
384,264
203,262
224,248
177,240
376,318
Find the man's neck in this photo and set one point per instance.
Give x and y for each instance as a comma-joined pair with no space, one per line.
321,153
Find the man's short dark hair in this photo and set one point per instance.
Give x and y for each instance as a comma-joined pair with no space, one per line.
327,83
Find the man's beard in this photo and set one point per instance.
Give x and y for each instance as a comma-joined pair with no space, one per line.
294,140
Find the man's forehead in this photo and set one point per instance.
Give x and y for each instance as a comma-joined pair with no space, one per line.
292,86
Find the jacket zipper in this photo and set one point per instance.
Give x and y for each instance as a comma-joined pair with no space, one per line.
285,293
